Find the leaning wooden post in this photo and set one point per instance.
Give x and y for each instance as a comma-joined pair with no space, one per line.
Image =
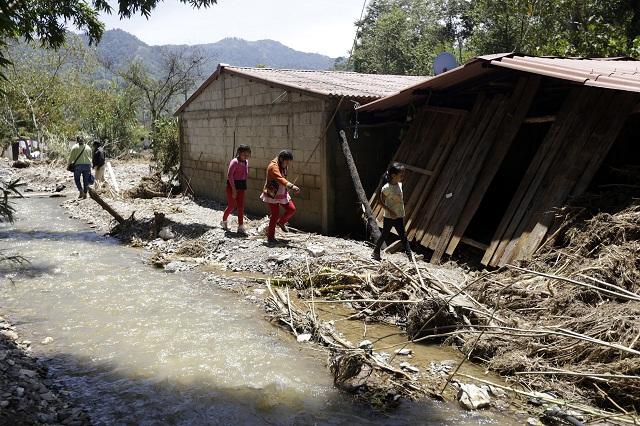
372,224
94,195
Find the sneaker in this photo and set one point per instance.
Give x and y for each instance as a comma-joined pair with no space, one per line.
283,226
223,225
241,230
375,255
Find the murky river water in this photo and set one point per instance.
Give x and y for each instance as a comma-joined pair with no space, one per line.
140,346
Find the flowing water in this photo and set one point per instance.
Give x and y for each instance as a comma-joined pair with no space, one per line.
139,346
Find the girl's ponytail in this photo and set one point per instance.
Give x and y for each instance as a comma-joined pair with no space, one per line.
393,169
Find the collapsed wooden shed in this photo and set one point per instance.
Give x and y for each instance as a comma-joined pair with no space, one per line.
497,145
271,110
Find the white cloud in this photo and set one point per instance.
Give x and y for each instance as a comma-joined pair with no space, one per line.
322,26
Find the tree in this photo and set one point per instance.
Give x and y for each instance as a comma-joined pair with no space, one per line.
403,36
47,21
179,73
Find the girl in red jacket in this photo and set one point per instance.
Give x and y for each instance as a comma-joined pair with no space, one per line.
236,187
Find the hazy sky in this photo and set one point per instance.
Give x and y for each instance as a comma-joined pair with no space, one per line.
320,26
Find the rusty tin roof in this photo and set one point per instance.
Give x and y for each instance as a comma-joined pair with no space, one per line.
607,73
360,87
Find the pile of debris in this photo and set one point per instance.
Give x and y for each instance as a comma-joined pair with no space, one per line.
151,186
567,320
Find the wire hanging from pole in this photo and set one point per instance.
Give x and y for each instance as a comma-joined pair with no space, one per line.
355,37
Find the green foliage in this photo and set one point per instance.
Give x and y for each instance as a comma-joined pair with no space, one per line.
6,208
166,147
403,36
50,96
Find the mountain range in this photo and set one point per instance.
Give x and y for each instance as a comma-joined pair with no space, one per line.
121,47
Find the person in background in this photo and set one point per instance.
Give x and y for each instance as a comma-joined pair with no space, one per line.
276,194
98,163
393,204
236,187
80,158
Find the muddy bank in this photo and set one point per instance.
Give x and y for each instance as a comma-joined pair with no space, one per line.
27,394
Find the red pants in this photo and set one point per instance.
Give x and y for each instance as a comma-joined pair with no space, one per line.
275,218
233,203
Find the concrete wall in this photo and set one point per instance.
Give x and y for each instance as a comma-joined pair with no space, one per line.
234,110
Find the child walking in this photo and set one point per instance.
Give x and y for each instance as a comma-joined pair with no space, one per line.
236,187
276,194
393,205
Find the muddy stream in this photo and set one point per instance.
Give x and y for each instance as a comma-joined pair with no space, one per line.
136,345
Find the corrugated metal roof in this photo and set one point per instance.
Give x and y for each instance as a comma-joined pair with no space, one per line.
607,73
333,83
614,74
357,86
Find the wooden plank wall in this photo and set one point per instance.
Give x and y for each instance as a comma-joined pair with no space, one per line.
570,155
452,159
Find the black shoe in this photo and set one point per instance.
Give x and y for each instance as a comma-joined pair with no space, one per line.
375,255
272,242
409,255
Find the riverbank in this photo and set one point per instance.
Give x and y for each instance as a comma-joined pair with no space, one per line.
27,394
327,290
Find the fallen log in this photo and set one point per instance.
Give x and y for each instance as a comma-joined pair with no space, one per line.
372,224
94,195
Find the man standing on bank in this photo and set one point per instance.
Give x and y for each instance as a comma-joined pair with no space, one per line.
276,194
80,163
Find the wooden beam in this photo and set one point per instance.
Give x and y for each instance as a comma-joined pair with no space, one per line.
540,119
417,169
445,110
474,243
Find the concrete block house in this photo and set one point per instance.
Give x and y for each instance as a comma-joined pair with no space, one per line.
271,110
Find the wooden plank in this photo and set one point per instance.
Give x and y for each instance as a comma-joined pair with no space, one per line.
548,191
461,186
437,163
525,91
445,192
437,188
540,119
549,146
446,110
474,243
417,169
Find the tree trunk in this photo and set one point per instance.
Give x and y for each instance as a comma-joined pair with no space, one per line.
372,225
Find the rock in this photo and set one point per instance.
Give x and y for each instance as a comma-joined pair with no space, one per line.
10,334
409,367
495,391
532,421
19,392
27,373
473,397
48,396
3,355
316,250
4,404
403,351
284,257
365,344
60,187
175,266
47,340
26,342
166,233
302,338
